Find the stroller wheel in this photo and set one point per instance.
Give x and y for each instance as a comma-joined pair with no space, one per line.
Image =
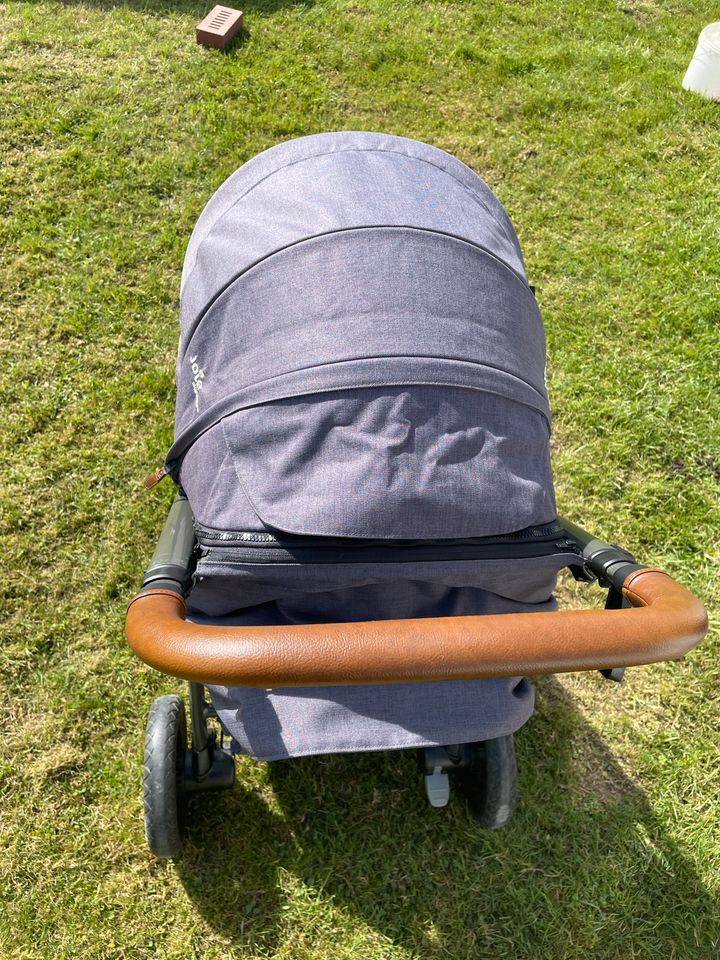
490,781
163,773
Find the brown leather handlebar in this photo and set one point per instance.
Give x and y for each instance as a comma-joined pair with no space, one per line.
664,622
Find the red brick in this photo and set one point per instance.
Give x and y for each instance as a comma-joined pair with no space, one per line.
219,27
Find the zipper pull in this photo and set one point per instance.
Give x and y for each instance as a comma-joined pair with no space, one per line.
152,479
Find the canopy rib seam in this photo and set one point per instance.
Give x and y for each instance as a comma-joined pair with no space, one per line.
193,327
213,416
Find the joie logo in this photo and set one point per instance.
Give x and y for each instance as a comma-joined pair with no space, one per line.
198,377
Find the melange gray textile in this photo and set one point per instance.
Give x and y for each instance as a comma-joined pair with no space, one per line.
291,722
224,584
402,462
361,357
354,262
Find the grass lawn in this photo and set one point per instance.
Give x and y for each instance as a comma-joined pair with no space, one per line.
115,130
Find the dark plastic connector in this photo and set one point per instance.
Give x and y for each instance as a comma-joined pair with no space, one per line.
161,583
615,673
207,765
609,563
172,563
615,601
445,758
220,775
582,573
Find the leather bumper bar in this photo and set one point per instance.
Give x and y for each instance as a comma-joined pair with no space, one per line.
663,622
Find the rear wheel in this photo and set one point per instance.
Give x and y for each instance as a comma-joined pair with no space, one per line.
163,774
490,781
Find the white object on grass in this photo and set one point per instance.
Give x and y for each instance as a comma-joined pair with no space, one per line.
703,74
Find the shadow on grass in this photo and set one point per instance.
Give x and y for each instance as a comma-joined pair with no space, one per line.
197,8
584,868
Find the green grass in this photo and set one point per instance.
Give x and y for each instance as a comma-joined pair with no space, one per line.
115,129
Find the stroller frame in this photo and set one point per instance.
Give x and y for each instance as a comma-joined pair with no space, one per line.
376,284
173,771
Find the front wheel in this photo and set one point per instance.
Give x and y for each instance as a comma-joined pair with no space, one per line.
490,781
163,773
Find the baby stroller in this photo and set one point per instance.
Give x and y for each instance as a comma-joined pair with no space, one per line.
365,533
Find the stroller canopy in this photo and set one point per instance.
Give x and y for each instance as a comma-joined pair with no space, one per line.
361,354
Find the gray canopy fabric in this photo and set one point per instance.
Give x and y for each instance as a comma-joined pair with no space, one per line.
361,356
366,293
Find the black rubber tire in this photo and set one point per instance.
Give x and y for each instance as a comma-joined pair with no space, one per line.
163,772
490,782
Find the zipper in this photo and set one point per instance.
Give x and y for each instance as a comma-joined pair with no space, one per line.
244,546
